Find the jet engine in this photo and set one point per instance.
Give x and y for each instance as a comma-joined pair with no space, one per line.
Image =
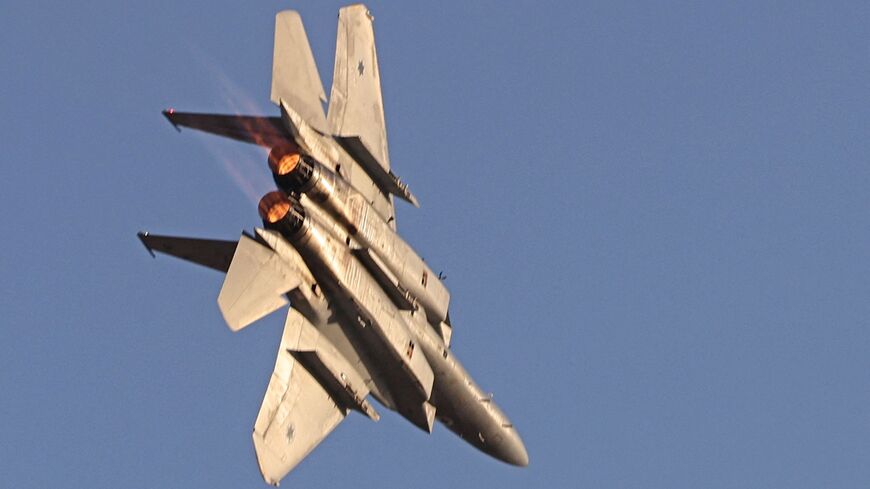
281,213
297,174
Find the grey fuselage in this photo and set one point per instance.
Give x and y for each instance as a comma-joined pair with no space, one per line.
397,266
420,377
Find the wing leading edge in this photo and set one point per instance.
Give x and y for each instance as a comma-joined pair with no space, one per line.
212,253
262,131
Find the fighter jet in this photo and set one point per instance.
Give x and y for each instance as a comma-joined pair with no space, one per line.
368,318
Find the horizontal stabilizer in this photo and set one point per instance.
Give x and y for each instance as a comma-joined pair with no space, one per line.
263,131
212,253
256,284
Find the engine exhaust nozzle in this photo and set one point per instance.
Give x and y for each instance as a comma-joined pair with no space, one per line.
284,158
281,213
274,206
291,170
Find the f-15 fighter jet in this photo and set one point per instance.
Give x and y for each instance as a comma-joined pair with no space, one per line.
367,316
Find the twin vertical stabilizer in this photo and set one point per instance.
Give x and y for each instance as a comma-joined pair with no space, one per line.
295,78
356,106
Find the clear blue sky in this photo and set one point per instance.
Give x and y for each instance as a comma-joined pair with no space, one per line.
654,218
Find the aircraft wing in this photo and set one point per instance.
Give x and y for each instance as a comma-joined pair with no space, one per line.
212,253
311,391
263,131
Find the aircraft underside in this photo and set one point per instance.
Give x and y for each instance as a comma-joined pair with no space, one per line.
367,316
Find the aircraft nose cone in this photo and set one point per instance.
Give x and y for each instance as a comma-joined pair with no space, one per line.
510,449
518,456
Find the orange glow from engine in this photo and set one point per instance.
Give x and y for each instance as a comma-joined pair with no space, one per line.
273,207
283,159
287,164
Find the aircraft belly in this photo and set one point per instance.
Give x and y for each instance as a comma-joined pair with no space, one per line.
368,316
464,408
351,219
351,288
342,334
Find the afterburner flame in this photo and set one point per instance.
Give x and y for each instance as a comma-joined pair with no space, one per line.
284,159
287,163
274,206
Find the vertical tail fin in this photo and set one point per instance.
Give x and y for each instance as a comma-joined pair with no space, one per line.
294,74
356,107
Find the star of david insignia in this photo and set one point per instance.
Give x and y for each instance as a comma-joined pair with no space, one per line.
360,67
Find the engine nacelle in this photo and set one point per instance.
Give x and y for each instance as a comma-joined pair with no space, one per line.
298,174
292,171
282,214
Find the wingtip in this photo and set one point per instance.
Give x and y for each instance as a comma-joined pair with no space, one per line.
169,114
142,235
